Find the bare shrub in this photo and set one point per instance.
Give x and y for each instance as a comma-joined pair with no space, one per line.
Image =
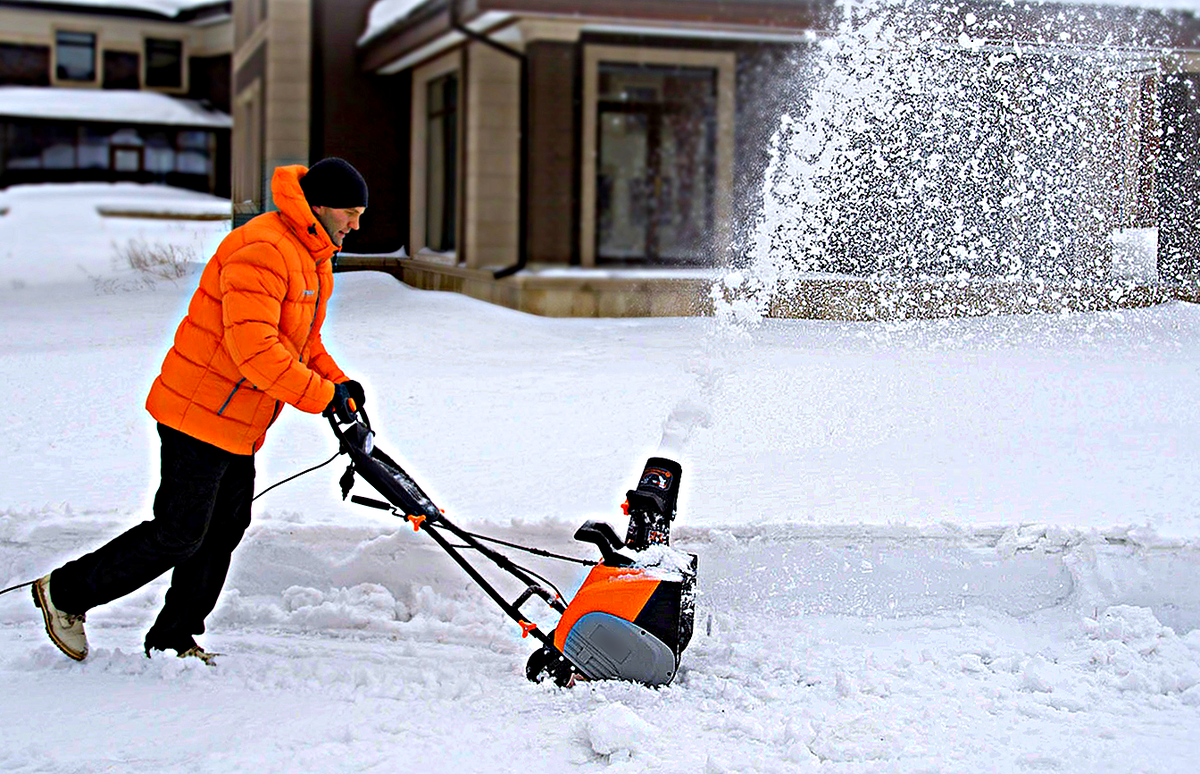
157,259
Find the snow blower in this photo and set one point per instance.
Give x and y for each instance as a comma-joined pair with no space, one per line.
633,615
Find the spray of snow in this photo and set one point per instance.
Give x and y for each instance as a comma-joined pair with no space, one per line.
931,144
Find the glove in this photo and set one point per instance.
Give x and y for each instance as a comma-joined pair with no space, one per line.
340,405
356,392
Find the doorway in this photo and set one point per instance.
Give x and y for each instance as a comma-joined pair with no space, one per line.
656,163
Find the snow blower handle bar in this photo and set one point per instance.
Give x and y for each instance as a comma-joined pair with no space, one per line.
360,417
406,499
371,503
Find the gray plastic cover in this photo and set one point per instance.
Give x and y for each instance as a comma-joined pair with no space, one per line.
605,647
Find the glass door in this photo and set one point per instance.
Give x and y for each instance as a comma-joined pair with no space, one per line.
656,164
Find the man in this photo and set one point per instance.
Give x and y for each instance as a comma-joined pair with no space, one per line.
250,342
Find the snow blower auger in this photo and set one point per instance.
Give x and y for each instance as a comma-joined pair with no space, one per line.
633,616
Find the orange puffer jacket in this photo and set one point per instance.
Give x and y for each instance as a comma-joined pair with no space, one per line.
251,340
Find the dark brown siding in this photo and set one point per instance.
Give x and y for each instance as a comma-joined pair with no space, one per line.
24,65
767,85
553,160
362,118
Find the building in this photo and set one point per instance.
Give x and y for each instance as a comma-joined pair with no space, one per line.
600,158
116,91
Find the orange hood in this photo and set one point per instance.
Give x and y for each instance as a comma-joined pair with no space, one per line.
289,198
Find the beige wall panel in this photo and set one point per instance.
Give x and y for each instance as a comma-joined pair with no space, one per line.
493,147
285,92
493,117
496,166
494,186
213,39
288,65
496,210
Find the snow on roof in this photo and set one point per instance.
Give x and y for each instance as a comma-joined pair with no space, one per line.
110,105
168,8
385,13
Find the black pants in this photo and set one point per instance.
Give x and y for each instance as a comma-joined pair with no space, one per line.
201,511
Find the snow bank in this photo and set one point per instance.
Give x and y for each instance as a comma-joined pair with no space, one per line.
56,233
960,545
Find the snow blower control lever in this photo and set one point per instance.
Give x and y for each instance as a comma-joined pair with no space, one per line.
633,615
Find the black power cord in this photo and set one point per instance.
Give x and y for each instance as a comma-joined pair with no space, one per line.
260,494
298,475
18,586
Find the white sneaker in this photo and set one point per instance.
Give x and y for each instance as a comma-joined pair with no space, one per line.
65,630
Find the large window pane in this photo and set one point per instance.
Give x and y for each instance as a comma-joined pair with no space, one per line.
25,148
441,163
160,153
656,170
59,147
93,148
22,65
126,146
195,153
75,54
164,63
122,70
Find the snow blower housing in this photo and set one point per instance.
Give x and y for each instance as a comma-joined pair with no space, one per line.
632,617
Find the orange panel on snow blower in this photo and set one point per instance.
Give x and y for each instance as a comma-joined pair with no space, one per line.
619,591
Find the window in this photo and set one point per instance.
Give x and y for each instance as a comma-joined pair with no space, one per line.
441,163
22,65
656,162
122,70
75,54
125,149
196,151
164,63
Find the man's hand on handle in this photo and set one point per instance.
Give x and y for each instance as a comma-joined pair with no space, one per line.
348,398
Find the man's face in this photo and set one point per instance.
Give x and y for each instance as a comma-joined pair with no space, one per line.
338,221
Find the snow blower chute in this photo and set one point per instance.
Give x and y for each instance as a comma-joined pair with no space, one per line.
633,615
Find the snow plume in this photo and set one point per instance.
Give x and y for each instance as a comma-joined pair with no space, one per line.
933,144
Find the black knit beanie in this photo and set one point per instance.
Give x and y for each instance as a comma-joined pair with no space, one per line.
332,182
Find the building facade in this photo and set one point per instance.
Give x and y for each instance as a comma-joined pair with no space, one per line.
534,152
116,92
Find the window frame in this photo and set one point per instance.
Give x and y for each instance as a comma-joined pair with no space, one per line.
58,45
418,149
449,169
725,64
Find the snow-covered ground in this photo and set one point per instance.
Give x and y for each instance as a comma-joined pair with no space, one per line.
946,546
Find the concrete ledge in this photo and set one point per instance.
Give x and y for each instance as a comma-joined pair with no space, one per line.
864,299
387,263
565,293
114,212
